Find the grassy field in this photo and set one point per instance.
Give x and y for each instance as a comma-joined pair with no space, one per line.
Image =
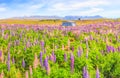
51,22
58,52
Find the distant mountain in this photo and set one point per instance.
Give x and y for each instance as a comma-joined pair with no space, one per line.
58,17
38,17
82,17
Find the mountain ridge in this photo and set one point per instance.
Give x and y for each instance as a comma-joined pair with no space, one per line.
71,17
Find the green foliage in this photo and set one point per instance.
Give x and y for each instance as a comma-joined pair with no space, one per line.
107,62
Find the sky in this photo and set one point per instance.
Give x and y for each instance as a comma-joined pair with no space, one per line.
18,8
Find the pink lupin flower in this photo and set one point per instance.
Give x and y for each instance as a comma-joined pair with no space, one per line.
51,57
2,57
36,61
87,54
68,45
65,57
2,32
6,36
63,47
9,45
2,74
48,71
30,69
26,74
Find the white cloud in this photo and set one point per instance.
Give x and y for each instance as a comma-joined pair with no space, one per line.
61,7
92,11
36,6
111,13
2,9
76,5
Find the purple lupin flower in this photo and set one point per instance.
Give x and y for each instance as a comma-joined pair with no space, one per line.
87,54
97,73
23,63
8,61
108,48
119,49
13,60
9,56
46,65
17,42
79,53
112,49
65,57
85,72
72,62
8,65
41,54
42,44
54,58
20,35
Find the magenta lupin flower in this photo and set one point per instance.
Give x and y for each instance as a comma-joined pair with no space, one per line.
0,53
54,58
72,62
72,48
51,57
118,48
